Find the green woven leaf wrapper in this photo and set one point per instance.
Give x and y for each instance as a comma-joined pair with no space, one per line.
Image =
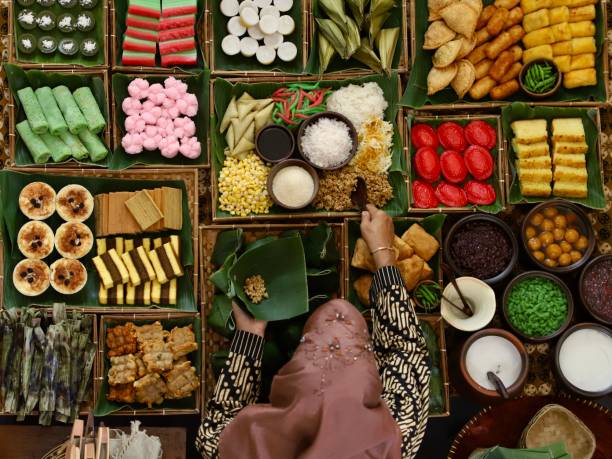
494,208
57,58
416,90
432,224
596,198
19,78
196,84
224,91
105,407
11,184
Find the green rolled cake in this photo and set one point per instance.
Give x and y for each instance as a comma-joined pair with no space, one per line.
33,110
59,150
89,107
72,114
96,148
52,113
77,149
38,149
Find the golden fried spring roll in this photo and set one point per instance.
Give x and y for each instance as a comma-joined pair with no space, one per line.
563,62
536,20
576,3
539,52
482,87
533,5
501,65
561,32
515,17
558,15
508,4
555,3
505,90
477,54
583,45
582,29
583,61
562,48
582,13
482,68
503,41
485,15
517,52
539,37
497,21
513,72
578,78
482,36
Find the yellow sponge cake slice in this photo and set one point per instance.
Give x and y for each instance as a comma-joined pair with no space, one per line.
570,147
577,160
570,189
530,131
524,150
570,174
534,175
536,162
533,189
568,130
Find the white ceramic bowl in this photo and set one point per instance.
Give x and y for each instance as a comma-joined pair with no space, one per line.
479,295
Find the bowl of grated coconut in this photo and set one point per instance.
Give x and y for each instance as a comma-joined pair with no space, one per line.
293,184
327,141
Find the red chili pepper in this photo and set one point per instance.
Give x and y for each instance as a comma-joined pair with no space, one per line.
286,119
312,95
302,94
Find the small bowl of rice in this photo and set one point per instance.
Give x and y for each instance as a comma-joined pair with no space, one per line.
327,141
293,184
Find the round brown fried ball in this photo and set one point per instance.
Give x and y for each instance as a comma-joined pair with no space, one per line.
536,219
582,243
558,234
546,238
550,212
560,221
570,217
530,232
547,225
534,243
553,251
550,263
539,255
571,235
566,247
565,259
576,256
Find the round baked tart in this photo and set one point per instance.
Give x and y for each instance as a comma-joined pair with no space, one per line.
74,203
73,240
35,240
68,276
31,277
37,201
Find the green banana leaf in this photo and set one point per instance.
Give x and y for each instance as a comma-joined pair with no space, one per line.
196,84
436,384
105,407
221,279
12,219
19,78
250,64
321,281
494,208
596,198
259,242
57,58
320,246
340,65
220,318
224,91
285,283
416,90
227,242
121,7
432,224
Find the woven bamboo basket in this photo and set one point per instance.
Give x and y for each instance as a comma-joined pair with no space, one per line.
190,177
208,237
12,52
117,129
115,51
93,396
210,46
152,317
402,66
501,162
106,135
495,104
285,216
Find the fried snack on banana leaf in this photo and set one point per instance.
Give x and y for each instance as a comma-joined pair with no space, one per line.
181,381
121,340
123,370
150,332
141,368
150,389
158,361
182,341
122,393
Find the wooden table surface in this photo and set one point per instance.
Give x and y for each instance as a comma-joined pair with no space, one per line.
31,442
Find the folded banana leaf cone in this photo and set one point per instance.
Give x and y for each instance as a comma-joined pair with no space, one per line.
554,451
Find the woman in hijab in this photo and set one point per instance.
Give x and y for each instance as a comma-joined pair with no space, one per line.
341,396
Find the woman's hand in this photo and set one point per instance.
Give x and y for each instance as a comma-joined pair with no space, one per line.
378,231
247,323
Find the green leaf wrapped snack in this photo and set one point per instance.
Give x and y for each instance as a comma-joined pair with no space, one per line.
72,114
33,110
334,35
357,8
220,318
55,119
375,24
335,10
38,360
96,148
366,55
77,148
227,243
89,107
38,148
380,7
353,40
386,41
59,150
326,53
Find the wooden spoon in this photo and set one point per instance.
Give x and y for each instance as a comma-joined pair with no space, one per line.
467,310
359,196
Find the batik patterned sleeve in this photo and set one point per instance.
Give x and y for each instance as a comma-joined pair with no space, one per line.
401,354
238,386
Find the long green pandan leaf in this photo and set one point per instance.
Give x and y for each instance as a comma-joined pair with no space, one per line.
105,407
19,79
320,246
97,33
596,198
494,208
224,91
432,224
196,84
416,90
227,243
239,62
285,282
121,7
12,220
220,317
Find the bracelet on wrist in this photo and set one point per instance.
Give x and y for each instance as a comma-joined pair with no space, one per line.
380,249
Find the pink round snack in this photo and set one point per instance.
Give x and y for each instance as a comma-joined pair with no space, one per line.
132,143
192,105
169,147
138,88
134,124
131,106
190,147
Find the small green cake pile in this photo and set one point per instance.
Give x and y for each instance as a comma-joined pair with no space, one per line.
61,124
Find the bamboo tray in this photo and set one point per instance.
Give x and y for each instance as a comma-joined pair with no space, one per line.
208,237
190,177
210,46
285,216
100,73
12,52
115,51
604,63
93,396
500,163
149,317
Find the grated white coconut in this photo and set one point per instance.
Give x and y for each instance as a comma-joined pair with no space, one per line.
358,103
327,142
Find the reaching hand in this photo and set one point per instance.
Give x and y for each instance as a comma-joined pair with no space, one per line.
378,231
247,323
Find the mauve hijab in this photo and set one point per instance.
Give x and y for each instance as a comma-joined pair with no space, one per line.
324,403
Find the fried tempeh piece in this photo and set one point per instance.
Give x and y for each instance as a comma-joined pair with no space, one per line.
181,381
121,340
182,341
150,389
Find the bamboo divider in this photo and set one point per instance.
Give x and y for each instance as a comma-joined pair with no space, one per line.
150,317
210,46
502,160
12,51
72,163
115,51
93,397
117,130
208,237
189,177
498,104
285,216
